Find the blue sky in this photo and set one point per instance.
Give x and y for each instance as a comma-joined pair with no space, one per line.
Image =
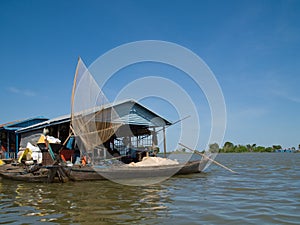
253,48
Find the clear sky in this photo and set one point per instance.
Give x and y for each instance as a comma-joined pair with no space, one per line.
253,48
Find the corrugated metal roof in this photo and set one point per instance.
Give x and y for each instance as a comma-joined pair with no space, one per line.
127,106
134,119
18,124
54,121
132,112
9,123
129,112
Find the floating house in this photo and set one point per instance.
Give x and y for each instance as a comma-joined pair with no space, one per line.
10,140
139,127
57,127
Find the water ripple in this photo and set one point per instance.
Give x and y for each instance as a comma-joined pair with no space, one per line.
266,191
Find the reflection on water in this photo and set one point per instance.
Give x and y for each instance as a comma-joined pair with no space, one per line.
266,190
82,203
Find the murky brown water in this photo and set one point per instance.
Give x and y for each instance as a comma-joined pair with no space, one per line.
266,191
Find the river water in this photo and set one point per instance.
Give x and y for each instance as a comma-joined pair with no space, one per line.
266,191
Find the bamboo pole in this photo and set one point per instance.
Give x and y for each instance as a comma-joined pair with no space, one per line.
203,155
174,123
74,86
165,143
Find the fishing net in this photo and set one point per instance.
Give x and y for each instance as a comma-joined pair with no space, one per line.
95,123
92,121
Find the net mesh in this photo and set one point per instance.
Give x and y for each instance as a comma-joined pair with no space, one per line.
93,121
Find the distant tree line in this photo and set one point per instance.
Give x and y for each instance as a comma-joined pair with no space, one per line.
230,147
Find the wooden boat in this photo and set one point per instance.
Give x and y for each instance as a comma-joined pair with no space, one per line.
27,177
49,174
105,130
13,172
88,173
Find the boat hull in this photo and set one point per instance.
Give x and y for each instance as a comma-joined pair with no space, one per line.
87,173
25,177
127,172
18,173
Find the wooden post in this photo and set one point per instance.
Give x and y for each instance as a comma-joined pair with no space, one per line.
165,143
154,138
58,131
17,145
104,153
7,144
